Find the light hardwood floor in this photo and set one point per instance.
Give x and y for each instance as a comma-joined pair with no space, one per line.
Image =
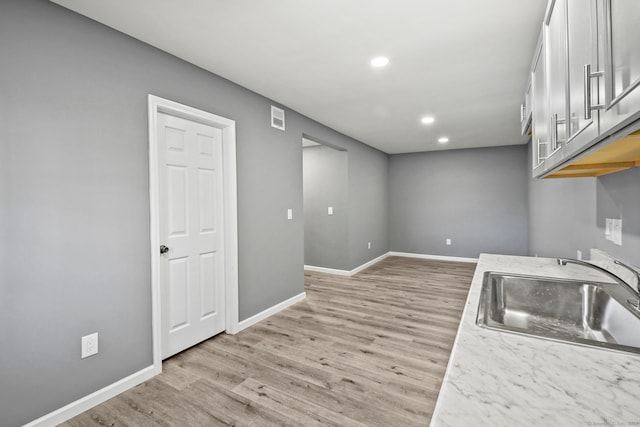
369,350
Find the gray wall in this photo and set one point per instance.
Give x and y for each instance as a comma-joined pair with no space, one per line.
325,183
561,216
566,215
5,160
618,196
476,197
75,185
369,194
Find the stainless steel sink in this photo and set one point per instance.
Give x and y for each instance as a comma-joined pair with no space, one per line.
579,312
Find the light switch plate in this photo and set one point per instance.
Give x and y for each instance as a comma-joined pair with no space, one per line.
330,210
289,213
608,229
89,345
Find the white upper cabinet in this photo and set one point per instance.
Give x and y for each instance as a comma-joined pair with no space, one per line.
585,81
621,62
525,110
540,111
556,43
582,62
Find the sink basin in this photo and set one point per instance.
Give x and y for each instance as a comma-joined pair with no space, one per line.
578,312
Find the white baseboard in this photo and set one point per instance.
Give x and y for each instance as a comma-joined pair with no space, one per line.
383,256
327,270
368,264
85,403
346,272
434,257
270,311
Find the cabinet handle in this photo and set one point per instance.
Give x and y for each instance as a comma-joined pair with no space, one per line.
587,92
555,121
554,129
588,75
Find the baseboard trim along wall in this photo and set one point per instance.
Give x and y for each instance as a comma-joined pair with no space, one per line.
327,270
434,257
271,311
383,256
368,264
85,403
346,272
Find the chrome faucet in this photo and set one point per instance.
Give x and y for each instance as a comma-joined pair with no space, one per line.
636,291
635,272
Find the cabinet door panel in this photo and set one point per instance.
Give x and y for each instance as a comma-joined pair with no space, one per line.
525,111
556,43
540,111
582,50
622,63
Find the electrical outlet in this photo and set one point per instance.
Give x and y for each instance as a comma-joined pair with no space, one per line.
608,229
330,210
616,232
448,242
368,245
579,254
89,345
289,213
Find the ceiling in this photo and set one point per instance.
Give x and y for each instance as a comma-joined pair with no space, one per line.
464,62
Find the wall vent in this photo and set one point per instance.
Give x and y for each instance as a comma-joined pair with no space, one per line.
277,118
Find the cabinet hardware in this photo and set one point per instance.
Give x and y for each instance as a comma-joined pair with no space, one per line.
555,121
588,75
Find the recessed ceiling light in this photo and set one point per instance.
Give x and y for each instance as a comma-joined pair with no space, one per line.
443,140
380,61
427,120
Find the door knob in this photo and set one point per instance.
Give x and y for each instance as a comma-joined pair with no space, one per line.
164,249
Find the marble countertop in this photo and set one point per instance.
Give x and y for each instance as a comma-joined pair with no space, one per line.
501,379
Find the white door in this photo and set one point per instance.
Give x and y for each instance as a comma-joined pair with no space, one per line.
191,232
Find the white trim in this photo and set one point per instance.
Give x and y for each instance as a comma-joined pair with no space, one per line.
347,272
85,403
434,257
383,256
154,223
327,270
368,264
159,105
271,311
232,309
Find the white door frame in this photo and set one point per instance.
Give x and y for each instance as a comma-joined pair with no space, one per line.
159,105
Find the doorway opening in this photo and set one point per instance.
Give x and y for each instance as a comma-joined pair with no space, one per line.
325,172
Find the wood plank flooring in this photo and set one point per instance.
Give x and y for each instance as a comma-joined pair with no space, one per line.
367,350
